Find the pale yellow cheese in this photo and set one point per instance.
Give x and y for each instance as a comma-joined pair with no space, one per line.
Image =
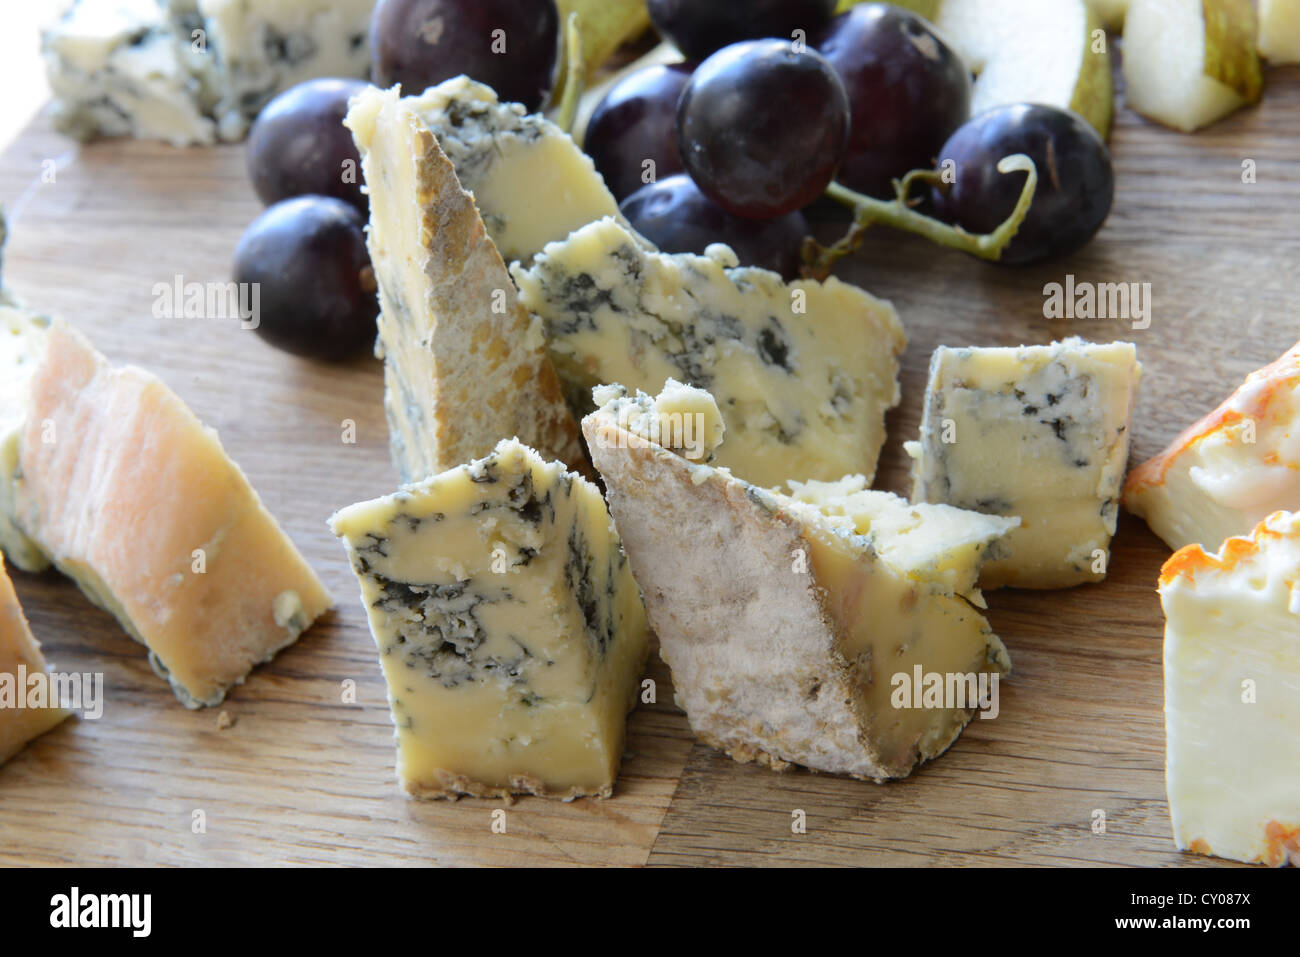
135,500
20,657
22,340
509,628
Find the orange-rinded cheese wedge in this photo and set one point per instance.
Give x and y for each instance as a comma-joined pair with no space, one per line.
135,500
20,657
1228,472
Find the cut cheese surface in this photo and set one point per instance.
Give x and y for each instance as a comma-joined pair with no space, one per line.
786,631
530,181
135,500
510,631
464,364
803,372
1232,694
1228,472
1036,432
20,656
928,542
22,342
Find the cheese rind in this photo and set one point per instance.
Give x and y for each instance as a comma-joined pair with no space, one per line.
135,500
510,631
18,648
803,372
785,630
530,181
1038,432
1225,474
1232,694
464,364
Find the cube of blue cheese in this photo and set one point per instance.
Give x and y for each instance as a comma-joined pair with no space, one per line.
1036,432
1232,694
792,650
531,182
803,372
510,631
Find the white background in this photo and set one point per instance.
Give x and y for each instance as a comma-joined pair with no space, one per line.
23,89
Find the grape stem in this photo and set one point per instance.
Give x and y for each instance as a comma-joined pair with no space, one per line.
898,213
574,75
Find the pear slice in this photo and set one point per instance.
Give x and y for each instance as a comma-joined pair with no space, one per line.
926,8
1189,63
1110,12
604,25
1279,30
1033,51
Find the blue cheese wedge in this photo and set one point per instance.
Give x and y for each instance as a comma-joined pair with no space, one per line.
530,181
1229,471
787,631
803,372
262,47
464,364
1232,694
194,71
1036,432
510,631
124,68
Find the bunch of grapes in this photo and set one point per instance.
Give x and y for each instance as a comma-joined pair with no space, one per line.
787,98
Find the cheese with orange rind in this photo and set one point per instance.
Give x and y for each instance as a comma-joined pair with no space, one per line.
1232,694
1229,471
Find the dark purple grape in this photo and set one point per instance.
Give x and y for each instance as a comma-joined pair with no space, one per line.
701,27
762,127
511,45
908,91
316,288
675,216
636,121
1075,181
299,145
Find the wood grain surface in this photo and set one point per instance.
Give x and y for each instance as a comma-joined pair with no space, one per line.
304,778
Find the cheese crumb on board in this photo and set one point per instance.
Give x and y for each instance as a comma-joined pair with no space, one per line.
1225,474
1036,432
134,499
1232,694
511,634
788,633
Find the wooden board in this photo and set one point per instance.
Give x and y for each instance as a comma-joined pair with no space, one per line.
304,778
